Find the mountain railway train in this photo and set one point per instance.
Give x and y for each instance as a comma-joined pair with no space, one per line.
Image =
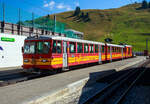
53,52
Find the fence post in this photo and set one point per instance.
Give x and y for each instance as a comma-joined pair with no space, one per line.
32,23
54,23
3,23
19,22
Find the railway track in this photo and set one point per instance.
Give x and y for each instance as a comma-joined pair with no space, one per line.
116,90
15,77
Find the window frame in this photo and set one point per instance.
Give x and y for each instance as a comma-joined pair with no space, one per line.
74,47
53,47
85,44
102,49
108,49
59,41
91,48
49,47
96,51
80,44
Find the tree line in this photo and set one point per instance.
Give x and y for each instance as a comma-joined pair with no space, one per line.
81,15
145,4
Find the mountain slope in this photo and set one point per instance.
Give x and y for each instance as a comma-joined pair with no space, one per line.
124,25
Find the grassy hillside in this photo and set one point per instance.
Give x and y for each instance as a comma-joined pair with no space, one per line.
126,24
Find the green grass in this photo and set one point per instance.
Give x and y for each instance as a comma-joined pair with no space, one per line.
125,24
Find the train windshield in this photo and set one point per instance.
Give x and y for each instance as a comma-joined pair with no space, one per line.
43,47
37,47
29,48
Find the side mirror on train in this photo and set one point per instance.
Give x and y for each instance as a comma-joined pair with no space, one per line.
22,49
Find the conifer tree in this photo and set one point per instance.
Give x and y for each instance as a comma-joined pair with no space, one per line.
77,11
149,5
144,4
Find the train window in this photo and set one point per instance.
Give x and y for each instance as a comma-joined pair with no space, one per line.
85,48
59,47
120,50
96,48
116,49
43,47
91,48
79,48
72,47
103,49
124,50
54,47
108,50
128,50
29,48
112,49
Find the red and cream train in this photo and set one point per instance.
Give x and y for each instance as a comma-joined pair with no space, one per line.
54,52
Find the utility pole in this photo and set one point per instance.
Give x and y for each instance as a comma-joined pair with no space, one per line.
19,17
146,50
32,23
32,19
147,44
19,25
54,24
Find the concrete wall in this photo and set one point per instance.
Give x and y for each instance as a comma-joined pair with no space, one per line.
11,53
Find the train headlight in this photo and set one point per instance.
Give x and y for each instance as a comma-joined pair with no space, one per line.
44,61
26,60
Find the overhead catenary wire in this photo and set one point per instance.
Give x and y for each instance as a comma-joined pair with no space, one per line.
33,5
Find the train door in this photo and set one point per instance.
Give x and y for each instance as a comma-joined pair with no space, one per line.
110,53
65,59
106,52
122,53
100,55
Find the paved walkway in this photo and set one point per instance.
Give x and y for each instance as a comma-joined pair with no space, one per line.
23,92
10,68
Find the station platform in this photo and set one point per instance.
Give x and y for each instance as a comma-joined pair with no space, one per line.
39,91
10,68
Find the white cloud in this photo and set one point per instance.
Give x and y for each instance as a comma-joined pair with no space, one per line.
50,5
63,6
68,8
46,5
77,3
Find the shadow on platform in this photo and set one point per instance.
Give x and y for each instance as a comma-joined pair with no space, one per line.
93,84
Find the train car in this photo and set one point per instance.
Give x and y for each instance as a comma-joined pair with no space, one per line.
127,51
114,52
54,52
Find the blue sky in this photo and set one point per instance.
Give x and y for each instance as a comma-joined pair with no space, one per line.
44,7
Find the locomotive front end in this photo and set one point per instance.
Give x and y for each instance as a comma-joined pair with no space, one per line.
36,54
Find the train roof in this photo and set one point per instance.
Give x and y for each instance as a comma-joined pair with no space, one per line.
114,45
128,45
43,37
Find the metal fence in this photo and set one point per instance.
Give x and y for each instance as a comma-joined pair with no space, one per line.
17,21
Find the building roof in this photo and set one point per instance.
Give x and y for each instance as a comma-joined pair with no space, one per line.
76,32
